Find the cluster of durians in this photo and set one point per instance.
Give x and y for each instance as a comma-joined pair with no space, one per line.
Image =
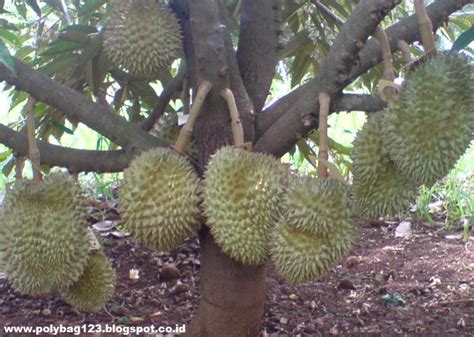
417,140
47,247
254,207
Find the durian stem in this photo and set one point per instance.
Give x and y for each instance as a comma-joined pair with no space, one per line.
405,49
187,130
237,129
425,27
324,102
381,36
32,145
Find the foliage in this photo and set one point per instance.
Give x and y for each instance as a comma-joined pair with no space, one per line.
67,45
450,201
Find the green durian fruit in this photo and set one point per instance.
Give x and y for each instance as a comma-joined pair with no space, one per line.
378,187
3,241
158,199
316,206
46,234
142,36
242,194
431,124
95,286
316,229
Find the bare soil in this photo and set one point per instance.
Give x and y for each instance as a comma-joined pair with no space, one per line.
387,286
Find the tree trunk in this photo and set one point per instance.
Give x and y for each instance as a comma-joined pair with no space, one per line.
232,295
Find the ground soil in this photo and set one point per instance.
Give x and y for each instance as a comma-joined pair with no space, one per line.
387,286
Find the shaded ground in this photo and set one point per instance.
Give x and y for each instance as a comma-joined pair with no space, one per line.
388,286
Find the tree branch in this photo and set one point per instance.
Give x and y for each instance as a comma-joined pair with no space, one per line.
244,103
72,159
164,100
357,102
257,53
407,30
78,107
282,120
334,77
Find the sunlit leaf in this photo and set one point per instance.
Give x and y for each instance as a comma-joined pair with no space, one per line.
5,58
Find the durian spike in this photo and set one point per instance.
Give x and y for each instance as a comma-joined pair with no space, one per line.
405,49
187,130
237,129
324,102
32,145
425,27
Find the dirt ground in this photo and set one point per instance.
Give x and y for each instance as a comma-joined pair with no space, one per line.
387,286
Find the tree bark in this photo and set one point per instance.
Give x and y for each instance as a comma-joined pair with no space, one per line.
232,294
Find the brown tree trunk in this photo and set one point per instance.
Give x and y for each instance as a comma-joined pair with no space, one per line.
232,295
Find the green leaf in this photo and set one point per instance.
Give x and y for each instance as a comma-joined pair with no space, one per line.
34,6
463,41
61,127
10,37
60,63
80,28
6,58
4,155
61,47
9,165
21,8
7,25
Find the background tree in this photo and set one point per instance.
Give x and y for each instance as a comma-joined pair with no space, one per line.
326,46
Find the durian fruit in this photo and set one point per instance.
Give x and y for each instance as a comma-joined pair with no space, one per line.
45,229
95,286
158,199
316,229
431,124
315,206
378,187
3,241
142,36
242,193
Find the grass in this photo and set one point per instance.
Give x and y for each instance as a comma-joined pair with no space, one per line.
450,201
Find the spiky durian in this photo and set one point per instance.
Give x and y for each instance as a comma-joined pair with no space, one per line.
378,186
316,228
3,241
431,124
316,206
143,36
158,199
242,191
46,231
95,286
